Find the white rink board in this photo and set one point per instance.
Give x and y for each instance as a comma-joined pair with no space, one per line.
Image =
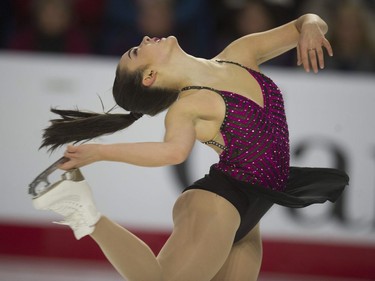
324,111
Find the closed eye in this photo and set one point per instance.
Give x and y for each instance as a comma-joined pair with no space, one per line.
135,51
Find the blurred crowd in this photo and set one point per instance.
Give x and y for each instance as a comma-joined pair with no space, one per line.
203,27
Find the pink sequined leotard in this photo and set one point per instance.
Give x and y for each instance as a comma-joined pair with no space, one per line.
256,138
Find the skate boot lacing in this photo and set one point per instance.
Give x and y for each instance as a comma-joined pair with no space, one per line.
74,212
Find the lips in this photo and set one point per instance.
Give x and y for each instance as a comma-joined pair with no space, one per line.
156,39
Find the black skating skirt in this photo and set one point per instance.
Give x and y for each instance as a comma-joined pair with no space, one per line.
305,186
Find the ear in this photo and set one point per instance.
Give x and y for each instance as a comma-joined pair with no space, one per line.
149,77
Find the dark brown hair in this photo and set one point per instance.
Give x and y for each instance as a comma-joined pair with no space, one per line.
128,92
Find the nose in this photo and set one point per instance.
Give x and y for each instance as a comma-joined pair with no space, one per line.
146,40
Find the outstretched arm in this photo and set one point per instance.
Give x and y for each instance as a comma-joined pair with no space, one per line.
178,142
306,33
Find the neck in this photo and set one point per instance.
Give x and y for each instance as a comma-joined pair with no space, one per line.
189,70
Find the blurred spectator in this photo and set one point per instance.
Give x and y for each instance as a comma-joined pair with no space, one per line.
323,8
195,27
251,16
350,36
89,19
119,31
127,21
254,17
156,18
52,30
242,18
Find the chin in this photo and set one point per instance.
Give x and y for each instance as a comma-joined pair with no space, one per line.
171,37
173,40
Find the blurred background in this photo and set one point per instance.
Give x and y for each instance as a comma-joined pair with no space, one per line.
64,53
109,27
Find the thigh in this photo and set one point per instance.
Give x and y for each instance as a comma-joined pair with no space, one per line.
204,228
244,260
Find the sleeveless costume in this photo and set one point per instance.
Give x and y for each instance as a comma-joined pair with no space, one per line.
253,171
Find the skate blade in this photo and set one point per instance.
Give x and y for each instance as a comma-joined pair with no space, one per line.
35,187
73,175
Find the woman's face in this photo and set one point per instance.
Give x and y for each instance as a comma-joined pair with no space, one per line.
151,51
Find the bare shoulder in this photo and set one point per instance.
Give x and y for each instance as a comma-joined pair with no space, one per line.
197,104
237,52
203,110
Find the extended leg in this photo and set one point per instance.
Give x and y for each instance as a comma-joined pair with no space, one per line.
205,225
73,200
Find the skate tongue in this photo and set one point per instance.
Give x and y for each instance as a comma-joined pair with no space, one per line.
74,220
79,230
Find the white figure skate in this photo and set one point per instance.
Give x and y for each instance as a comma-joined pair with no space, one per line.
70,197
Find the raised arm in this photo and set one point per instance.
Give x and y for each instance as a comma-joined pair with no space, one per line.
306,33
178,141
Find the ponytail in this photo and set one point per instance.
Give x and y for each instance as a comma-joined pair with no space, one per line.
128,92
75,126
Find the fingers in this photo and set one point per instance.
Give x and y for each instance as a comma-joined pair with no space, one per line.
304,59
312,53
328,47
320,55
313,57
67,165
69,154
316,58
71,148
79,156
299,60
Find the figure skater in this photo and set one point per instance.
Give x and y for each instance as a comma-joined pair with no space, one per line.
224,102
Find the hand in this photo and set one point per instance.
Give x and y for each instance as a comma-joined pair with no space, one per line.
80,155
310,47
